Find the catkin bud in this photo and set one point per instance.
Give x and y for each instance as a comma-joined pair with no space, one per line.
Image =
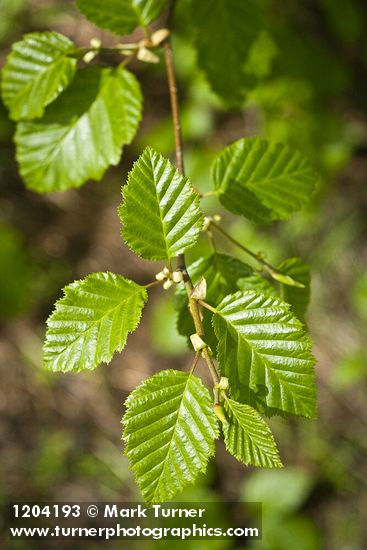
89,56
207,222
95,43
167,284
160,276
147,56
159,36
177,276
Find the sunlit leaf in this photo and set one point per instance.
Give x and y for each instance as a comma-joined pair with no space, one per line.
36,71
160,212
92,321
82,133
169,431
265,353
248,437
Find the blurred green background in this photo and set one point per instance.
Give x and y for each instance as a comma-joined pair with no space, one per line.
60,434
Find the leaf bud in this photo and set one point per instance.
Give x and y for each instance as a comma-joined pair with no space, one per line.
219,412
199,292
223,384
197,343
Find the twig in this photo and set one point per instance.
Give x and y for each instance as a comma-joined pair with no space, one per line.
154,283
207,306
194,362
174,106
181,263
273,271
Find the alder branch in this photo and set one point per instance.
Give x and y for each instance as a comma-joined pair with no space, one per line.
181,263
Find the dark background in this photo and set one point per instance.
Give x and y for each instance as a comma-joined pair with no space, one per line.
60,434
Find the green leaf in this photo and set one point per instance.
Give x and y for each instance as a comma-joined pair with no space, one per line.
298,298
223,274
92,321
248,438
264,352
36,71
169,431
262,180
121,16
82,133
225,31
259,283
160,213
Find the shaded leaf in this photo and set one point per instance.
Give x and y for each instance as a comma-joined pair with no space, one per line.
298,298
160,212
169,431
15,273
121,16
36,71
225,32
223,274
92,321
259,283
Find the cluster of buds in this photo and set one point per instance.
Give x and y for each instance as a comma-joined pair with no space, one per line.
209,219
199,291
141,49
168,278
154,41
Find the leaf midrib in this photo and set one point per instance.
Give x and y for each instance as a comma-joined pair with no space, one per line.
172,438
259,355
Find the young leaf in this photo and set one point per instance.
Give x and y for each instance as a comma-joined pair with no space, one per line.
169,431
264,352
92,321
298,298
160,213
225,32
82,133
121,16
262,180
36,71
248,438
223,275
